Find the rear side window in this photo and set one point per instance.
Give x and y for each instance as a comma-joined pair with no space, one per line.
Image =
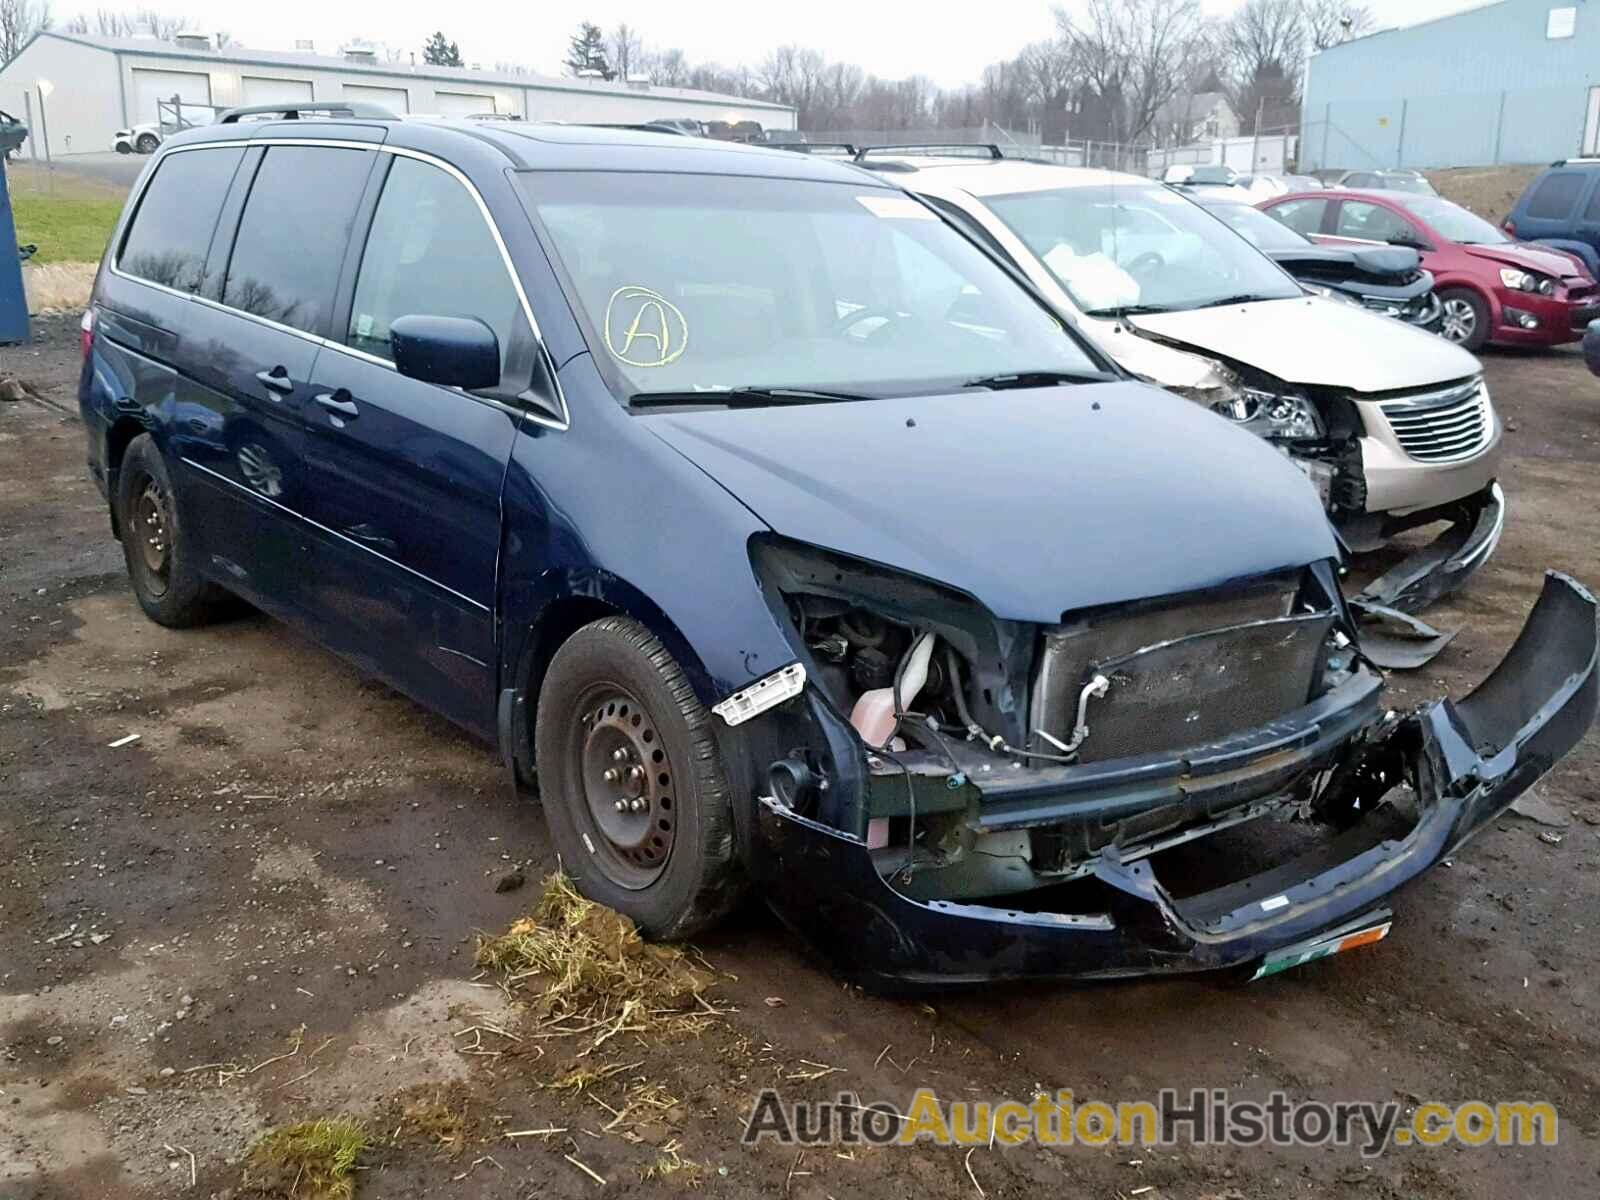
1554,195
170,234
429,253
293,234
1373,223
1303,216
1592,211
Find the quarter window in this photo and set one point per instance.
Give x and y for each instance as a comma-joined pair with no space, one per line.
1303,216
429,254
171,232
1373,223
293,235
1553,198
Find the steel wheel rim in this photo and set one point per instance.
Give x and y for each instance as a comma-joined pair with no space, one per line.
1459,320
627,784
152,525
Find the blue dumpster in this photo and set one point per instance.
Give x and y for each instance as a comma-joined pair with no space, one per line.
13,304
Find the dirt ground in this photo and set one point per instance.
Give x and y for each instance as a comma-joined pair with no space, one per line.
1488,191
262,911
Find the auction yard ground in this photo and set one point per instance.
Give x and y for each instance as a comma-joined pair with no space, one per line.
263,910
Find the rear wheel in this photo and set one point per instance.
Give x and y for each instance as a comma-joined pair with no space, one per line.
1466,318
147,143
632,782
168,588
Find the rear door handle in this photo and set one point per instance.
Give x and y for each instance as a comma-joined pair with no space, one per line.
276,380
338,402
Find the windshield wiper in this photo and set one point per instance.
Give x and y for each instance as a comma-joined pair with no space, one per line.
1241,298
1030,379
743,397
1127,310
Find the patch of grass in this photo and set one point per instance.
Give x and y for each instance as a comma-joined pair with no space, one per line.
314,1160
70,225
57,287
599,976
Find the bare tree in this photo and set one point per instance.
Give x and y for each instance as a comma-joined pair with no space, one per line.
669,68
1265,42
20,21
1135,56
1330,22
627,52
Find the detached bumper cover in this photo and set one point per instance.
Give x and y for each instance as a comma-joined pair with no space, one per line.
1469,761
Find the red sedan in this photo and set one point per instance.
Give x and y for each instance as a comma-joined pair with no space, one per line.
1493,289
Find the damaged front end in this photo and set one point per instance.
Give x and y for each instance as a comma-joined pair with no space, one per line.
1029,805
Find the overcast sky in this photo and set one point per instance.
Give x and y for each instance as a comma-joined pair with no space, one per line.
891,38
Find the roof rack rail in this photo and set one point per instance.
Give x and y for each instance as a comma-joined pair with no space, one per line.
846,148
1567,162
994,151
637,126
296,112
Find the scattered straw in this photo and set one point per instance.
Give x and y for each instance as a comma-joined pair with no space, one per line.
58,287
597,977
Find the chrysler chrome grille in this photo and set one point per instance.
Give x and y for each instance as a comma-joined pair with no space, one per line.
1441,426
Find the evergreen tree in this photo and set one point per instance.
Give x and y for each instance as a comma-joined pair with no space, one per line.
439,52
587,52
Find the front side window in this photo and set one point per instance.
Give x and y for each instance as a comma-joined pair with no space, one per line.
709,283
170,234
1373,223
293,235
429,253
1118,247
1302,216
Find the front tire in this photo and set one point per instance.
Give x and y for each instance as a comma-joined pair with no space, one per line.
632,782
159,558
1466,319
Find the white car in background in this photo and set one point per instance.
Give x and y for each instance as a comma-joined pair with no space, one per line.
144,138
1393,425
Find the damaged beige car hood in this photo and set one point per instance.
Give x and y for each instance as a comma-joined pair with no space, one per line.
1316,343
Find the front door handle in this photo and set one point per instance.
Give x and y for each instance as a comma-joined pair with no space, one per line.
338,402
276,380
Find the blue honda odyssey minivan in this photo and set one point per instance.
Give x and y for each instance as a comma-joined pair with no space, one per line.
781,539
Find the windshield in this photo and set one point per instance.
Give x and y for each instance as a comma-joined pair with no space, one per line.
1260,230
1452,222
1139,246
710,283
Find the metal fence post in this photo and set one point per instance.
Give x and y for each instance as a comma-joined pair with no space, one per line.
27,119
1327,123
1499,127
1400,143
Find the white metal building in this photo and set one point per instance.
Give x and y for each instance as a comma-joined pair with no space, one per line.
97,85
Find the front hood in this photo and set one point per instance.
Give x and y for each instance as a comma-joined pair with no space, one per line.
1034,502
1317,343
1376,266
1547,262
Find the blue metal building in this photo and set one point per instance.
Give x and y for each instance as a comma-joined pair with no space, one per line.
1512,82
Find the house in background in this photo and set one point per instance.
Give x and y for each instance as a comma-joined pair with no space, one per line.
1194,117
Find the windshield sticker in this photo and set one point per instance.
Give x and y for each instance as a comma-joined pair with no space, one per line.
643,328
898,207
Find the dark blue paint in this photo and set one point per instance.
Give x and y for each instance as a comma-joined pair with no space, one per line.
436,536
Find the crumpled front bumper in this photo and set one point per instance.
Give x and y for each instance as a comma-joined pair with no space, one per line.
1468,761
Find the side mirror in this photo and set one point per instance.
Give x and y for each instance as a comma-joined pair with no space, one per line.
1591,347
458,352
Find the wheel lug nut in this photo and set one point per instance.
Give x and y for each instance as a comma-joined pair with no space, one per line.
637,805
619,755
622,806
612,775
635,774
